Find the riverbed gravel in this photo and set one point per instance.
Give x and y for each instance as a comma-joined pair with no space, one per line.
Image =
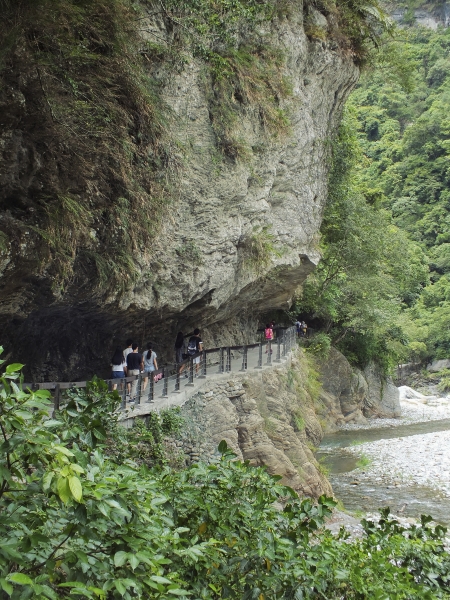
415,460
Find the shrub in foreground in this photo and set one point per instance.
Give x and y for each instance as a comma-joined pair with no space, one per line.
77,521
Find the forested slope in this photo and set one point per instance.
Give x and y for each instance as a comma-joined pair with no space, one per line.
382,290
404,131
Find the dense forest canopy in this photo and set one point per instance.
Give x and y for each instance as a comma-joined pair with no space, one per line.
382,290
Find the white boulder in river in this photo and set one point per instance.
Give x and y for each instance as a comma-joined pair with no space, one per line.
410,396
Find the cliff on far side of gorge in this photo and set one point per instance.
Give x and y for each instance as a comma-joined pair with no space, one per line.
160,168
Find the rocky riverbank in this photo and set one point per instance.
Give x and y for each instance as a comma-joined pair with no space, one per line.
408,471
414,460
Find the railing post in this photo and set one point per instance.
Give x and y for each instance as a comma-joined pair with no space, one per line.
151,389
191,372
284,344
278,359
221,361
165,383
124,394
269,352
177,380
139,389
259,365
244,359
56,399
203,359
228,369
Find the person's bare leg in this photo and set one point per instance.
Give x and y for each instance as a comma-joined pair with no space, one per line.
145,383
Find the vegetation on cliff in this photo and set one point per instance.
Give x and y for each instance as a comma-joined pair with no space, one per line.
369,267
405,135
78,520
383,286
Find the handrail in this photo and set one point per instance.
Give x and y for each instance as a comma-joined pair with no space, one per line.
168,378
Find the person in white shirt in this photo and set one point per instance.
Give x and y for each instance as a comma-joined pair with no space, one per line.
118,366
126,352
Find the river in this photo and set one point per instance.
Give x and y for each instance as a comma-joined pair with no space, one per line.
362,492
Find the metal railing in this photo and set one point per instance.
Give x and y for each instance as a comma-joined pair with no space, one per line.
145,387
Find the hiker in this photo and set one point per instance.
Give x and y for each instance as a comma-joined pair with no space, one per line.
150,364
268,333
128,349
134,366
118,366
195,345
303,329
179,343
126,352
298,327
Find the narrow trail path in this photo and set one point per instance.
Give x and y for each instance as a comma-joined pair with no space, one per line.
188,390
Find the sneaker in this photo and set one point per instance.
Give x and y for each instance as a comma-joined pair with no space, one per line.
132,400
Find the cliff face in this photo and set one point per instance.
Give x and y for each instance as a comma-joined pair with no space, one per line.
267,418
349,395
237,238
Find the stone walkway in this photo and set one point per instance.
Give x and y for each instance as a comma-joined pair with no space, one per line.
188,390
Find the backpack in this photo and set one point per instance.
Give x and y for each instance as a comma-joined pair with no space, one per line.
268,333
192,347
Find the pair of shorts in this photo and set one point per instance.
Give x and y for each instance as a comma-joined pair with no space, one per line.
118,374
196,360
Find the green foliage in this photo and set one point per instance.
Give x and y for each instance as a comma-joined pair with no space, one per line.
260,250
76,522
363,461
319,344
355,25
404,132
368,266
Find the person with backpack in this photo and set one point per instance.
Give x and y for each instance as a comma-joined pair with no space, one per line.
134,366
304,328
195,345
298,327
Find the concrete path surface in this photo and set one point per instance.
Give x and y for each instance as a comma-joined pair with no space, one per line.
187,390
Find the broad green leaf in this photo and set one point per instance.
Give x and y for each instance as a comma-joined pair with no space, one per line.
133,560
120,558
120,587
6,586
75,488
20,578
63,489
47,480
52,423
63,450
24,414
159,579
13,368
